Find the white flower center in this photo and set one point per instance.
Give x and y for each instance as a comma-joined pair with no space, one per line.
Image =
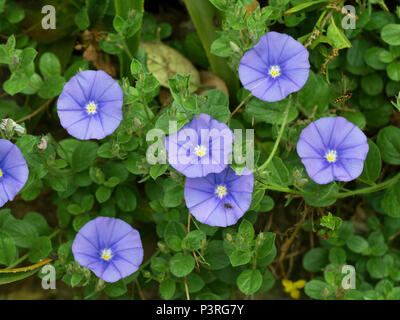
91,108
200,151
331,156
106,254
221,191
274,71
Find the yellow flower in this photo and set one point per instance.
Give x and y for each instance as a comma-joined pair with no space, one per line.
293,287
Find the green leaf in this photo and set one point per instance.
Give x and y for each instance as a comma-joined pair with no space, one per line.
21,231
193,240
84,155
393,71
39,222
103,194
181,264
267,244
391,201
320,195
215,255
217,105
337,256
8,250
41,247
315,259
372,164
337,36
17,82
391,34
357,244
372,84
195,282
49,65
307,99
221,47
158,170
269,112
82,19
372,58
389,144
167,289
239,258
52,87
377,268
173,193
115,289
304,5
249,281
278,174
317,289
126,199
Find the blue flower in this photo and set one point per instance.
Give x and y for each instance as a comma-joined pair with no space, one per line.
275,67
90,105
200,147
219,199
14,171
332,149
109,247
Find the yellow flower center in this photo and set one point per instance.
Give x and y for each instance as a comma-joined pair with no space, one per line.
1,173
221,191
200,151
331,156
274,71
106,254
91,108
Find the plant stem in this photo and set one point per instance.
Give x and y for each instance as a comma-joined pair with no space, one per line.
34,113
271,155
377,187
238,107
131,45
155,254
202,15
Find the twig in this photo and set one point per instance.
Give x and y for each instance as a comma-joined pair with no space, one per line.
284,120
34,113
140,290
187,289
238,107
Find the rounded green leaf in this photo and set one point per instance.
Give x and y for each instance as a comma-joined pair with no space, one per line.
249,281
389,144
49,65
391,34
181,264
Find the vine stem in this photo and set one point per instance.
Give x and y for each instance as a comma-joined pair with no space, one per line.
377,187
34,113
238,107
284,120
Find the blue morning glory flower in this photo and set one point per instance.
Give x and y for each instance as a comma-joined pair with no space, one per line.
14,171
200,147
332,148
109,247
90,105
275,67
219,199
